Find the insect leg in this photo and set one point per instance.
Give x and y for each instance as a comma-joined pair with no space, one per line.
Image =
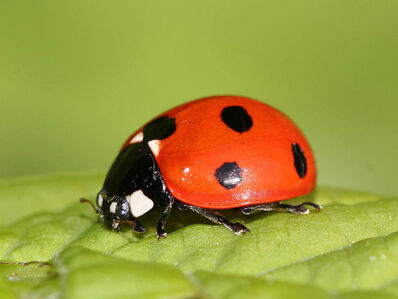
134,224
160,232
237,227
277,206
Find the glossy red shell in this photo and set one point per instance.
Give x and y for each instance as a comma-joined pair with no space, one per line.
202,142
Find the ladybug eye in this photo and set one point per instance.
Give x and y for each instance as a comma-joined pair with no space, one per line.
100,200
123,209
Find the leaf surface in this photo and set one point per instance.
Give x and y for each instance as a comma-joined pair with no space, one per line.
348,250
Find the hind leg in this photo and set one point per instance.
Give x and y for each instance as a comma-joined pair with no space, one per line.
277,206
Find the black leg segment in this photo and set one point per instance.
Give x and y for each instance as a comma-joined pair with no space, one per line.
160,232
277,206
134,224
237,227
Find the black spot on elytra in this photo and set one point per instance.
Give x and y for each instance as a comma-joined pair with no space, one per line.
236,118
159,128
229,175
299,160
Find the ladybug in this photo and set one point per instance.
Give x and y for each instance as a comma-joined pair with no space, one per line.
215,153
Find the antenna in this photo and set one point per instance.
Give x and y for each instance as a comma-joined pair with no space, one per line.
85,200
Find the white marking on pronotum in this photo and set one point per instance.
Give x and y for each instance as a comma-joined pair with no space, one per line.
154,145
139,203
137,138
100,200
112,207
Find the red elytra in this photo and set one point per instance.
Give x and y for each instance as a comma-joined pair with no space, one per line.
203,142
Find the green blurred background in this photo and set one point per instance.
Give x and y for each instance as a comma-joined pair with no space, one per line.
77,77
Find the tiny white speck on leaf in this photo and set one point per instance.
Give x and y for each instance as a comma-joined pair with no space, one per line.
372,258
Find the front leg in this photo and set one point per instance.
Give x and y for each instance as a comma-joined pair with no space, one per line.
160,232
237,227
134,224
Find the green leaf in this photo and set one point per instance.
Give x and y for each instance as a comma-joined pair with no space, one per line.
367,265
237,286
88,273
348,250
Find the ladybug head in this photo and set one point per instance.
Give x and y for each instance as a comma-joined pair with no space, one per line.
114,210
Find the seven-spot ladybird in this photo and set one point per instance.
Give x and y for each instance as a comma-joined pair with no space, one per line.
214,153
